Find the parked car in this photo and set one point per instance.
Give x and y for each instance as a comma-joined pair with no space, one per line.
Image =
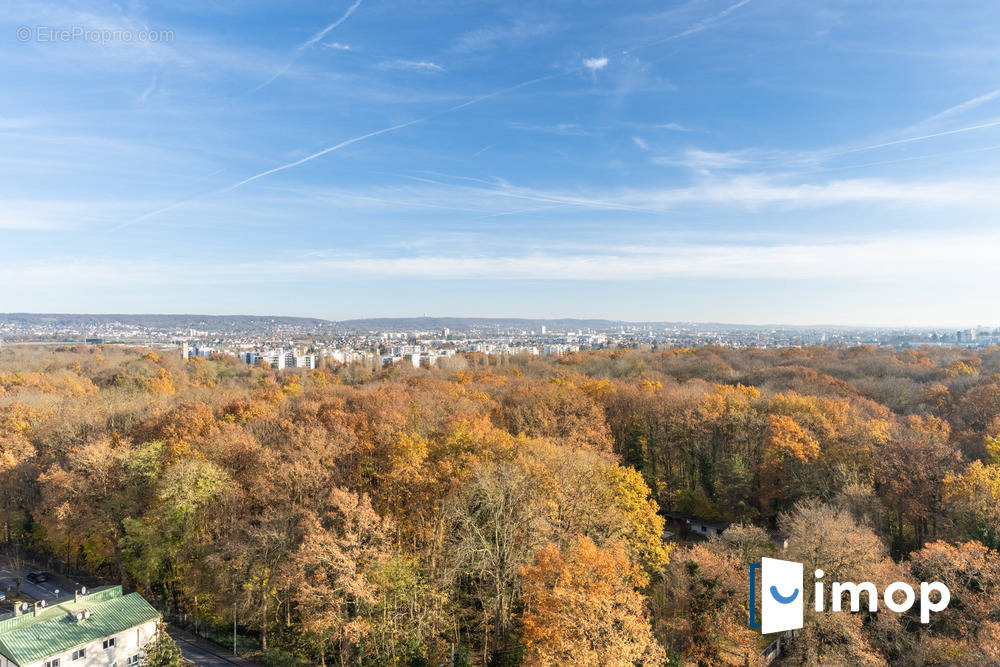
37,577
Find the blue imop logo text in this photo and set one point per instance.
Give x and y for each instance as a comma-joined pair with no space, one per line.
782,596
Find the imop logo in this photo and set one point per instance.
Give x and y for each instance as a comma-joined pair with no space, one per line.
782,596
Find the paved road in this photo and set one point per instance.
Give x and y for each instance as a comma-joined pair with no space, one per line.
202,653
44,591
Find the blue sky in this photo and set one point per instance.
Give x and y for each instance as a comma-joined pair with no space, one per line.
743,161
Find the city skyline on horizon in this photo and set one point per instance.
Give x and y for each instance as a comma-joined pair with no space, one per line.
429,319
729,161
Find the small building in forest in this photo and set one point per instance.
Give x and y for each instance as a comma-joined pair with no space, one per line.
693,524
103,628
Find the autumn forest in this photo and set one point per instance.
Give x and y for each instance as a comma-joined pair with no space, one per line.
518,510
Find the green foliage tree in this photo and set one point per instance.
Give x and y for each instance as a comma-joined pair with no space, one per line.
162,652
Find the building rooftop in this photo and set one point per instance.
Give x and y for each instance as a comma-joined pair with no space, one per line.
54,629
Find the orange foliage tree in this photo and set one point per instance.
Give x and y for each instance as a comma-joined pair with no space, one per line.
582,607
786,445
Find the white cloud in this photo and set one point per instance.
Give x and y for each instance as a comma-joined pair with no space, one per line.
890,258
595,64
44,214
713,160
673,127
640,143
754,191
759,191
565,129
481,199
704,161
880,258
412,65
337,46
484,39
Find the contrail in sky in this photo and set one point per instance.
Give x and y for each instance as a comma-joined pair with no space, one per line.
268,172
337,147
913,158
959,108
697,27
993,123
309,42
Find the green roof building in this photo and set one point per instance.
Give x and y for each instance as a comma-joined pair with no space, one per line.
103,628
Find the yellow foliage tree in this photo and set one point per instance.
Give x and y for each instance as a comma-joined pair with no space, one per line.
785,445
642,525
973,501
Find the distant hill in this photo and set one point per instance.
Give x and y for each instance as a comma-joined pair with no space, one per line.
275,323
171,321
271,323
